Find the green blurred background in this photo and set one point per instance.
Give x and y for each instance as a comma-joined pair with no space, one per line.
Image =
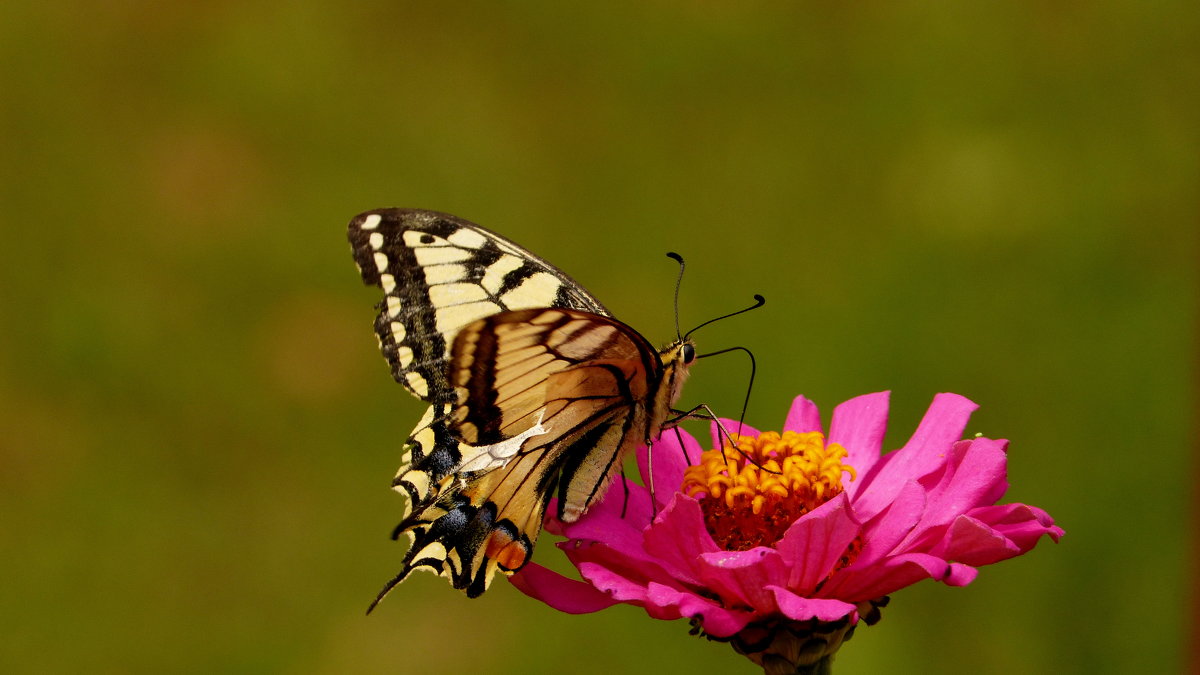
997,199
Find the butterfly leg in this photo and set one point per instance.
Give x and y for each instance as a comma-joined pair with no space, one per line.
650,479
625,484
700,412
703,412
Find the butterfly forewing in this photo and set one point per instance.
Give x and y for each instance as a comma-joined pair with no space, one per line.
439,273
535,390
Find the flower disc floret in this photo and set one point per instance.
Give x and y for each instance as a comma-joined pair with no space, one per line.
753,488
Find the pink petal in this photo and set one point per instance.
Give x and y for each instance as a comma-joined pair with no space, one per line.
561,593
1021,523
969,541
859,426
552,524
960,575
991,534
741,577
816,541
603,522
857,583
716,620
670,458
924,453
622,588
678,538
974,475
883,533
803,416
804,609
625,500
667,602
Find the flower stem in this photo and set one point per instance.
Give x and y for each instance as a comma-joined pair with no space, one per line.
781,666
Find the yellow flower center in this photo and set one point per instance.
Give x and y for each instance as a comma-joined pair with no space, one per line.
750,497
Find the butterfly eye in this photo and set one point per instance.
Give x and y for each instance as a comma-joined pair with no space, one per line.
689,353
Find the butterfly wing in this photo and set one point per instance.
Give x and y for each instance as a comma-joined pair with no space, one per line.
439,273
549,401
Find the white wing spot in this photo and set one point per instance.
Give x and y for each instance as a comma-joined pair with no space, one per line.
381,261
387,282
376,240
455,294
539,290
493,278
440,255
417,383
393,306
398,332
468,238
405,354
412,239
371,222
445,274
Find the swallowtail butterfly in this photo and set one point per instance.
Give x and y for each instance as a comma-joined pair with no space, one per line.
534,390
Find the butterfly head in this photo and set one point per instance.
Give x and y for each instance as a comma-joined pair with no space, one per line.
677,359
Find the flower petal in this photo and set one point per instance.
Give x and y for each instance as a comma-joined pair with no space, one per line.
1021,523
561,593
857,583
604,521
972,540
924,453
803,416
741,577
859,426
799,608
716,620
663,601
974,475
816,541
969,541
883,533
678,538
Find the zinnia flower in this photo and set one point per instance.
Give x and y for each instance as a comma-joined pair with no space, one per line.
782,545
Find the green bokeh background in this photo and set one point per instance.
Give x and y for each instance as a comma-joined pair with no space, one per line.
196,431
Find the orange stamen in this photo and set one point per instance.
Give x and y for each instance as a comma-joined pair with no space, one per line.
749,498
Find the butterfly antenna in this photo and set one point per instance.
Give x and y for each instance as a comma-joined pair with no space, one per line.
678,282
759,301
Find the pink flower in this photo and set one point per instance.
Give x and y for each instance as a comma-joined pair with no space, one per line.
816,539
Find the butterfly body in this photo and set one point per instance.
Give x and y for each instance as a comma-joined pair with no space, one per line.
535,391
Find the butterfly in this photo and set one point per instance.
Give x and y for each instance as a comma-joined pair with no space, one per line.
535,391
